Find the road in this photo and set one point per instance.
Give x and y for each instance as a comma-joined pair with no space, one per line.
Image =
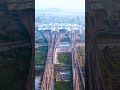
48,78
78,79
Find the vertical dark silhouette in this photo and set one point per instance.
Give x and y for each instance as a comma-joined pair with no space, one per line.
17,44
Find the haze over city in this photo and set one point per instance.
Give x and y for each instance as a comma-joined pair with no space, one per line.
61,6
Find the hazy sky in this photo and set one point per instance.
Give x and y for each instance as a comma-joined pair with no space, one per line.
61,4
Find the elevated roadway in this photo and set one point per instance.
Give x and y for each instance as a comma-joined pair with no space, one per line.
53,39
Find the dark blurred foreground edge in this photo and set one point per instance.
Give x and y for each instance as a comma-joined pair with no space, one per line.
17,44
102,45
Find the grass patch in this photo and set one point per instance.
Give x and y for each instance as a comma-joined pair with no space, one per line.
65,58
40,55
61,85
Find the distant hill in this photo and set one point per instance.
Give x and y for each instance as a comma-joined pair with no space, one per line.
51,10
55,11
